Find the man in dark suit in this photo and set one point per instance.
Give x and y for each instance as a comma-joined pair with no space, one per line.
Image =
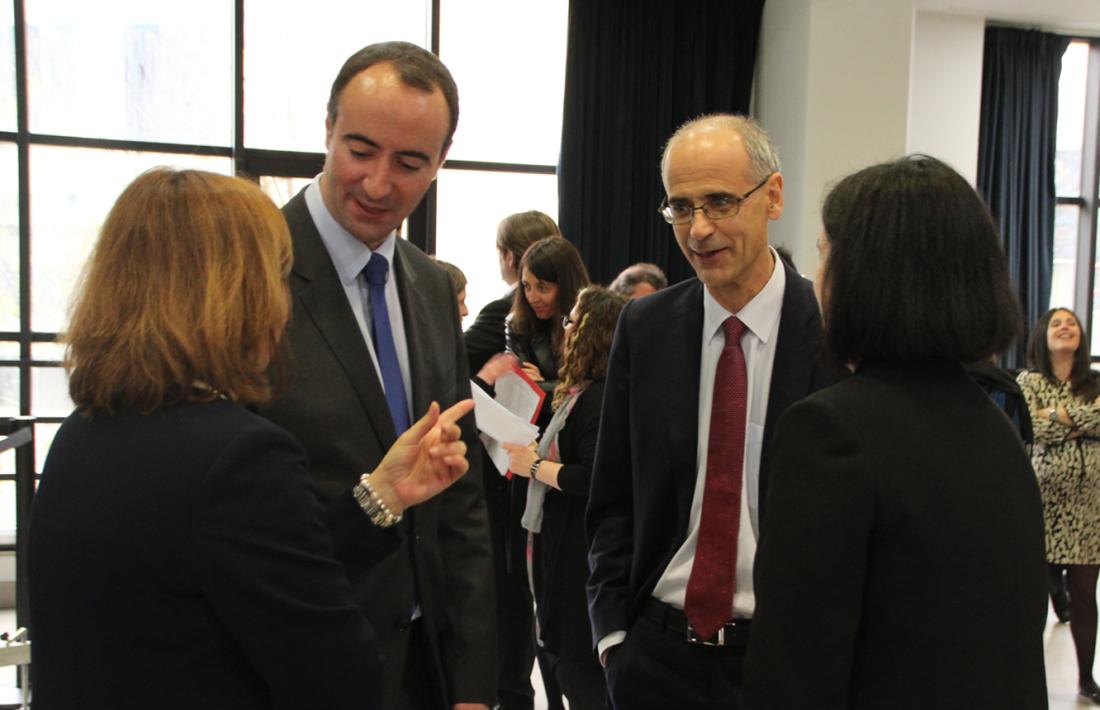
375,339
680,476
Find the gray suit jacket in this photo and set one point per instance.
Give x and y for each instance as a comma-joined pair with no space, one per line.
336,407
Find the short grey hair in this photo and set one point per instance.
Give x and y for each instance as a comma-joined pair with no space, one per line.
635,274
763,160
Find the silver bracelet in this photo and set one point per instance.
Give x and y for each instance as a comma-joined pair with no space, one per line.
378,512
535,469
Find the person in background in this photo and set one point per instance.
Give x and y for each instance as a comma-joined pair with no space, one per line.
551,275
639,280
506,497
1063,394
560,471
179,556
458,281
900,562
515,233
375,338
700,373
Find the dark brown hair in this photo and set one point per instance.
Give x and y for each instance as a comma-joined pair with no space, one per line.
915,268
1083,382
553,260
416,66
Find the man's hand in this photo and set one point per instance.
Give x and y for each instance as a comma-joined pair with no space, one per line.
424,460
469,706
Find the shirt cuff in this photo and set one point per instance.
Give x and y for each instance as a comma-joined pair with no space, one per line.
612,639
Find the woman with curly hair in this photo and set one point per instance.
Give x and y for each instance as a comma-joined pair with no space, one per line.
560,469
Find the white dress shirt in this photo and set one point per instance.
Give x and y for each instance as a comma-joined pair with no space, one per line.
350,256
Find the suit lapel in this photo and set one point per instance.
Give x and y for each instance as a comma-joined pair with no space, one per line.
316,286
796,354
683,347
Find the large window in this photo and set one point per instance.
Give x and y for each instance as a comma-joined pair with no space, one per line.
1077,185
92,94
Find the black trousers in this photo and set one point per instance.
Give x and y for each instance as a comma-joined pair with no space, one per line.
657,668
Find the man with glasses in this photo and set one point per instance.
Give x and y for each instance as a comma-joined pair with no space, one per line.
699,374
375,338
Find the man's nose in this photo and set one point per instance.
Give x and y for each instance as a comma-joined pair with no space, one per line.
377,181
701,225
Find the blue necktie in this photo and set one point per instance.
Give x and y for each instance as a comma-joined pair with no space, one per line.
376,272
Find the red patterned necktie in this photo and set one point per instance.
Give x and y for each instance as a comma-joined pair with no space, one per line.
710,588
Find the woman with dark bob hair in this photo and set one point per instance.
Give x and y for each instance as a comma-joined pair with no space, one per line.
179,557
900,562
560,471
551,275
1063,395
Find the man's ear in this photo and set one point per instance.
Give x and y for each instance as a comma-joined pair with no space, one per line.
775,196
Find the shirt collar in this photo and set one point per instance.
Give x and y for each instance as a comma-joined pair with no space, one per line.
760,315
349,255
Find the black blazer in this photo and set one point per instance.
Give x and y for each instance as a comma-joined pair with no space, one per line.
179,560
645,471
560,550
485,338
901,564
337,409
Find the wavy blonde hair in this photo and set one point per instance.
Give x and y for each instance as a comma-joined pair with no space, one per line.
588,345
186,284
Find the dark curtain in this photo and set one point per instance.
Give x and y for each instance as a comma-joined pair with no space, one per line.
635,71
1016,157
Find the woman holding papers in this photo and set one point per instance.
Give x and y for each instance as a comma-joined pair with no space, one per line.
551,274
560,469
179,557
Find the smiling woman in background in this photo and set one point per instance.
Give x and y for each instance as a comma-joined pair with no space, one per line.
179,557
1063,394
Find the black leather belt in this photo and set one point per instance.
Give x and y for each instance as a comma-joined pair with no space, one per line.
734,633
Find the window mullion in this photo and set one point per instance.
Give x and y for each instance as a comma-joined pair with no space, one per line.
1086,229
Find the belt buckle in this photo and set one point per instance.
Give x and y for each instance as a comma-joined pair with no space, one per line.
717,640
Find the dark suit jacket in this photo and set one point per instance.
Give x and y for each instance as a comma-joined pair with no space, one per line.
485,338
337,409
901,564
645,471
179,560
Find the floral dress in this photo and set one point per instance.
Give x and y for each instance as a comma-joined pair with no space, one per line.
1068,469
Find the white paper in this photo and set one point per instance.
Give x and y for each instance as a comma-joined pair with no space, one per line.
519,395
498,425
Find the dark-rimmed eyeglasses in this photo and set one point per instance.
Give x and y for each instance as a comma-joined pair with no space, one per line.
714,207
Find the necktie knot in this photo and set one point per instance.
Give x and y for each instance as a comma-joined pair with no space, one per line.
376,270
734,330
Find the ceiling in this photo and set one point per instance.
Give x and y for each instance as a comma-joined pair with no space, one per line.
1064,16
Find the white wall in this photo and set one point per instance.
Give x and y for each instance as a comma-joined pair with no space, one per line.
945,90
833,89
842,84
